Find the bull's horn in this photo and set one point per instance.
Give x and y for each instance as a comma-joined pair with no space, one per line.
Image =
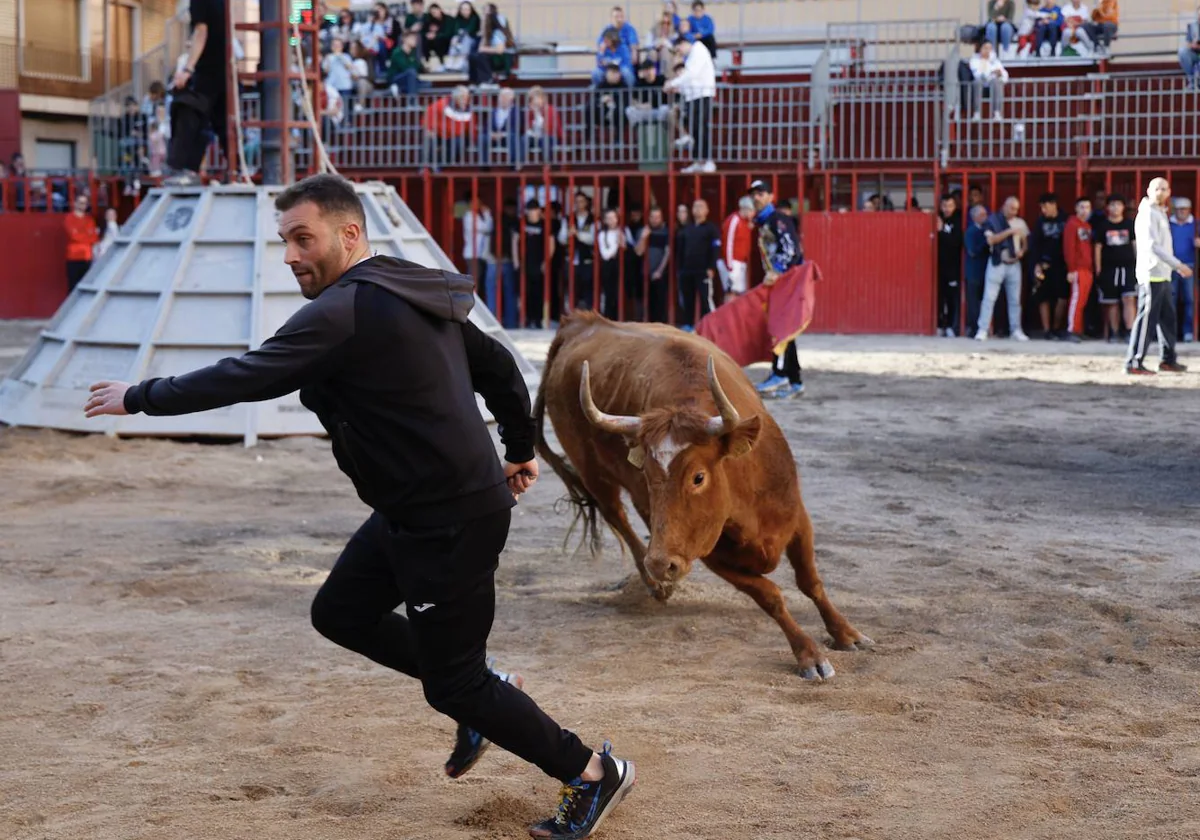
728,418
615,423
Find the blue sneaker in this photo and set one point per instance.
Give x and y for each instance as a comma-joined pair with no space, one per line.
469,745
687,328
788,390
772,383
584,805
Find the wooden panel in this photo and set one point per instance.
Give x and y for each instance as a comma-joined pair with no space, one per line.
34,280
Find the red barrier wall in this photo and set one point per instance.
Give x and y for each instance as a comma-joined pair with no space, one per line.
33,276
877,268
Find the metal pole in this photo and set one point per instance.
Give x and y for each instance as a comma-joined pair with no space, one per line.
275,104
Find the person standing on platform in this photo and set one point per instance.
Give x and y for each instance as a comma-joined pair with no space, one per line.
198,101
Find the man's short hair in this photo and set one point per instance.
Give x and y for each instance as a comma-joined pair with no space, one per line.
1114,197
1082,199
699,3
948,196
532,204
1048,198
332,194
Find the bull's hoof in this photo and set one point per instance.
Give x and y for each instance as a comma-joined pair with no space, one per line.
860,642
818,673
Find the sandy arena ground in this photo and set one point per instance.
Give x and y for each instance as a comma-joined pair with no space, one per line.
1015,526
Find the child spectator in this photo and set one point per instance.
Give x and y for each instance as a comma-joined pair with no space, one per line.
1116,261
702,27
339,69
1184,243
495,54
82,236
160,134
1077,253
989,75
404,69
436,32
1042,24
611,52
465,38
611,244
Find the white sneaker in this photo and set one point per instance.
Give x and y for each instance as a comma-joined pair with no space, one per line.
976,117
708,166
981,336
690,170
683,142
997,115
1019,335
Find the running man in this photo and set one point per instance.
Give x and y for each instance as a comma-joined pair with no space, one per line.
384,346
1155,262
780,246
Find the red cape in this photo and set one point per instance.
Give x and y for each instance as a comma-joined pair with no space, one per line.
759,324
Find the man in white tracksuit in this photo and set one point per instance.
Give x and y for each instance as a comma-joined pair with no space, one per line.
1155,262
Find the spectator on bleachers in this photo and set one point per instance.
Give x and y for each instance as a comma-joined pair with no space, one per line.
448,127
1103,28
609,101
373,32
655,246
346,29
976,246
502,131
1006,236
1184,243
414,16
155,96
611,244
361,75
436,32
333,109
990,76
660,43
1051,289
999,30
702,26
698,86
1074,28
534,262
465,38
647,101
613,51
496,48
542,126
582,228
133,136
338,68
1116,262
626,33
157,141
404,69
670,8
949,265
1040,27
1189,53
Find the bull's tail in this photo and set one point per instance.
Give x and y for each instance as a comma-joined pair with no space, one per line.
586,510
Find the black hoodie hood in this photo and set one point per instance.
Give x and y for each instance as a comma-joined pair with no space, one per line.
443,294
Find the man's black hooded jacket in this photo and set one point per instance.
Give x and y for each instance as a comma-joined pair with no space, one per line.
388,361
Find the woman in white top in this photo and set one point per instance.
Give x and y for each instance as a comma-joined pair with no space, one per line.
611,243
989,74
339,68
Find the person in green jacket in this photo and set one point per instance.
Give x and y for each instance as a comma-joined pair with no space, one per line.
404,69
999,30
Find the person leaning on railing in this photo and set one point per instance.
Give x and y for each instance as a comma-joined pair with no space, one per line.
448,126
542,126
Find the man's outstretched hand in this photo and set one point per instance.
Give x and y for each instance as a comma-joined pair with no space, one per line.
520,477
109,398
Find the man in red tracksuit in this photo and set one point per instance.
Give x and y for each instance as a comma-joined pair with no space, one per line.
1077,250
735,248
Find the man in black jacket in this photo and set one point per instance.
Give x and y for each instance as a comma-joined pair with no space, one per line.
950,265
699,246
385,356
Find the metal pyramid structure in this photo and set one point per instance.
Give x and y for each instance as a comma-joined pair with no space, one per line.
196,274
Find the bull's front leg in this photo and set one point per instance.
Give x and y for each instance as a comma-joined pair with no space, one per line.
812,662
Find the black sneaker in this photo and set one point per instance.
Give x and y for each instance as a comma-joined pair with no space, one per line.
1138,370
584,805
1172,367
469,745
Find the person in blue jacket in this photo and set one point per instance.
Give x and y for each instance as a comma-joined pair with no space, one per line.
613,51
779,243
1184,243
702,27
975,242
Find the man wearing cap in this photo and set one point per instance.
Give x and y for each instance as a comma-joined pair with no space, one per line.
1155,261
735,248
698,85
1184,243
779,244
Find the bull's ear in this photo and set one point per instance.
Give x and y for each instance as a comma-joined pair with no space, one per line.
742,439
637,456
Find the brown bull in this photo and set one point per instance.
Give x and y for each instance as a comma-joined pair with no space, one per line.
674,421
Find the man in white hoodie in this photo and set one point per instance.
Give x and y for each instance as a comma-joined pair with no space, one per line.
698,84
1155,262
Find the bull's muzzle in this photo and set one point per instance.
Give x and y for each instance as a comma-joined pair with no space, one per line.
668,569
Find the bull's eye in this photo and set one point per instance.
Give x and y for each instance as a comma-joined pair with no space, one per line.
698,479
